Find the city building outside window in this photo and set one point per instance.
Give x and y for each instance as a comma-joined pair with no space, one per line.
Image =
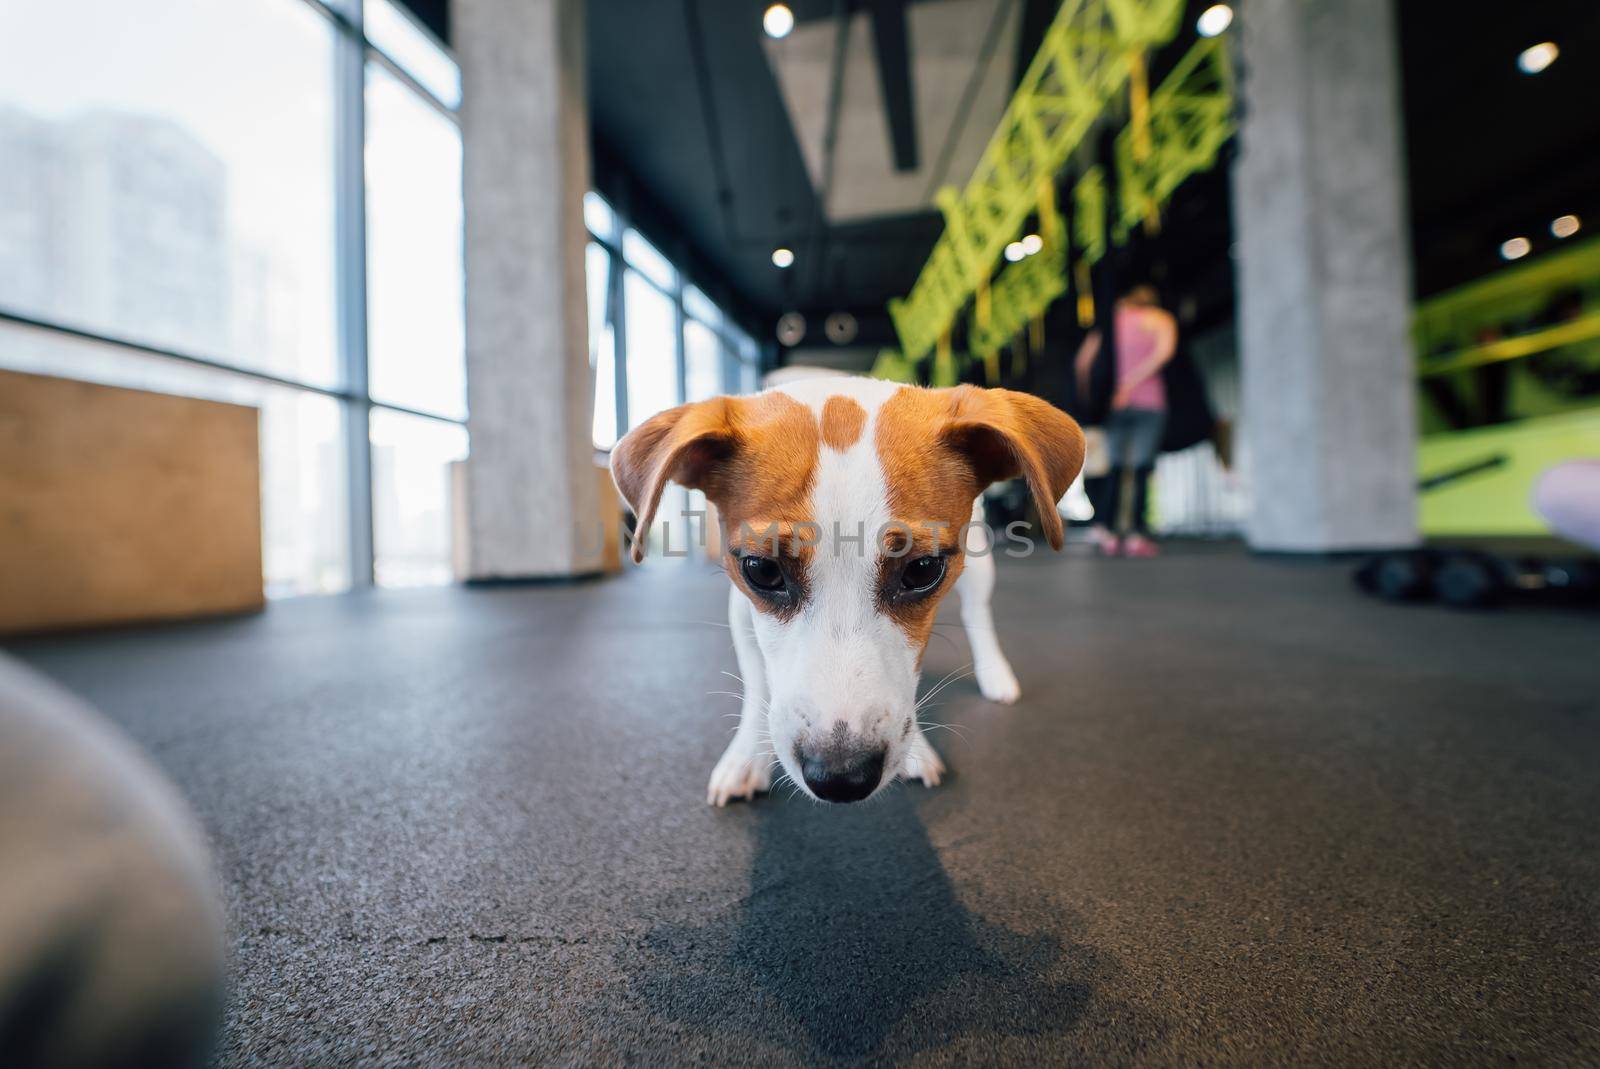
184,215
170,219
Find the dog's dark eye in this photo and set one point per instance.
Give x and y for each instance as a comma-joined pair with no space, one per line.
762,573
923,574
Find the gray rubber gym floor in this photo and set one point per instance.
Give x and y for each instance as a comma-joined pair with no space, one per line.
1242,815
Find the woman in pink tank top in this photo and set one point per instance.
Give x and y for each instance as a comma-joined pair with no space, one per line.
1147,336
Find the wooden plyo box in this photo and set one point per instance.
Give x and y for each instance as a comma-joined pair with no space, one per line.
119,505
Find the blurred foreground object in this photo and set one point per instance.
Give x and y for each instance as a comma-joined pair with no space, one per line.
111,931
1568,497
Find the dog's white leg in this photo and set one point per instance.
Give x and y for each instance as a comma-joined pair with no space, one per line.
922,762
746,765
995,678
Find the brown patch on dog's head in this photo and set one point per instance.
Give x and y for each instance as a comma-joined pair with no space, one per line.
842,421
940,448
753,457
929,480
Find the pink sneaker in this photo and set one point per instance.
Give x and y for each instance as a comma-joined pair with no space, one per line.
1137,545
1108,543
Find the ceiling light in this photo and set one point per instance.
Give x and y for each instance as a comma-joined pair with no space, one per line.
1213,20
1537,57
1564,226
1032,244
791,328
778,20
1015,252
782,257
840,328
1515,249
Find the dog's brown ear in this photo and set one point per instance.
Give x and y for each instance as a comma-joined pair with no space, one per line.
682,445
1005,434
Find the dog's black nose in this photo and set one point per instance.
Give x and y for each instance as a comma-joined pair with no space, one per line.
843,778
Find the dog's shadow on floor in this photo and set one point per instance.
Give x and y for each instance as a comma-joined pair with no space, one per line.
852,945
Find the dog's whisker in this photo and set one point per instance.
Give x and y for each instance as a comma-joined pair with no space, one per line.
966,627
765,704
953,729
957,732
963,668
953,677
957,674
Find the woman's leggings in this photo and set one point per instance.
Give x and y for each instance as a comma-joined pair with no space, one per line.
1133,440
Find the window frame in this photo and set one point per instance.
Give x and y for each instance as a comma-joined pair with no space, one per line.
352,51
733,342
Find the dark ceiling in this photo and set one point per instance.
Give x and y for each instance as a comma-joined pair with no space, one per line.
1492,152
692,138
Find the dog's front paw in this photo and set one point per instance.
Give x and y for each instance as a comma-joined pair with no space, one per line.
922,763
997,682
743,772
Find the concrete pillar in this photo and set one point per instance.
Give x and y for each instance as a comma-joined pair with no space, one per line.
1324,278
532,501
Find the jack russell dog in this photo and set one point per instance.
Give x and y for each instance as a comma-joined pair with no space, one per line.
849,507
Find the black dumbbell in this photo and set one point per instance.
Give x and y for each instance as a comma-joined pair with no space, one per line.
1470,581
1400,576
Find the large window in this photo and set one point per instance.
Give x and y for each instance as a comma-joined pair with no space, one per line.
167,185
182,207
702,362
416,335
654,339
602,338
413,49
652,366
412,475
